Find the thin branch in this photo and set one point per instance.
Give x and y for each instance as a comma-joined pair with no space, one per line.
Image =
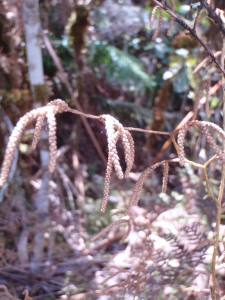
214,16
192,32
147,131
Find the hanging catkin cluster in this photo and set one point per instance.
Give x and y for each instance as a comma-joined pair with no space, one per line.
49,111
203,127
154,11
114,131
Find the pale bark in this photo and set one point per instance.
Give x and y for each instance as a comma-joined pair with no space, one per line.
33,41
32,29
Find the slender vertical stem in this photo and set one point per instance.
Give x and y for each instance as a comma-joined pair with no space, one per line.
220,196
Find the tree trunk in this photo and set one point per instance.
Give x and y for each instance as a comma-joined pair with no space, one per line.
33,35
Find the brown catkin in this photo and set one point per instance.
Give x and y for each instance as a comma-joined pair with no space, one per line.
211,142
154,11
113,159
37,132
128,145
14,139
159,24
53,107
106,185
213,126
180,143
114,131
131,155
114,155
165,176
52,140
59,105
172,18
139,184
202,125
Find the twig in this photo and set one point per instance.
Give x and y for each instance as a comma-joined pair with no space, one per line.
213,15
202,63
219,199
147,131
192,32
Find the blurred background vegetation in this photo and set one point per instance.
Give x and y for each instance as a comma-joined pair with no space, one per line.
114,67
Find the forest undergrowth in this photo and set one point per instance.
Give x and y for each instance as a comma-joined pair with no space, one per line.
156,233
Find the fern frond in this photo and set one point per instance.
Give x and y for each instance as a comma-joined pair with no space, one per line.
121,67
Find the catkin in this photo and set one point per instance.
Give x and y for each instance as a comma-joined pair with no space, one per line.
114,131
13,141
154,11
52,108
139,184
172,18
52,140
211,142
114,155
130,159
180,143
37,132
128,145
202,125
59,106
165,176
159,24
106,185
